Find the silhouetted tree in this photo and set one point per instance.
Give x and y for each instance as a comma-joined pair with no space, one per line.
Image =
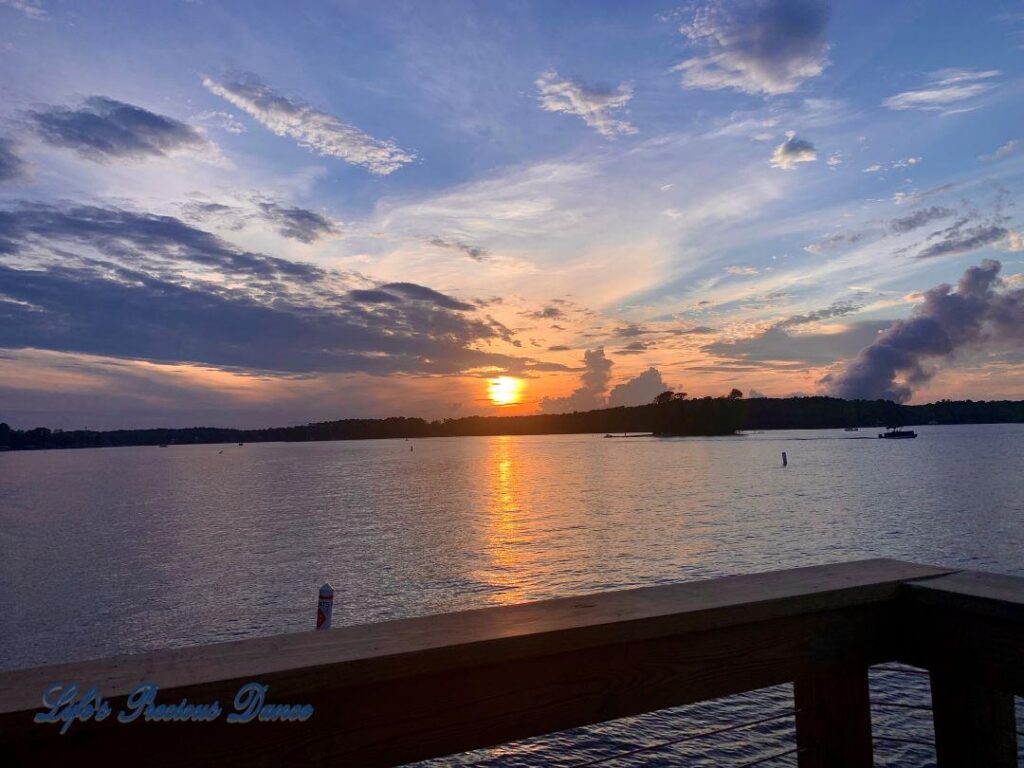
670,414
735,394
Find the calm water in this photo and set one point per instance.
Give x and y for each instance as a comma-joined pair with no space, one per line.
120,550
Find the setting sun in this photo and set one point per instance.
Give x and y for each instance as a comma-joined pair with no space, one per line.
505,390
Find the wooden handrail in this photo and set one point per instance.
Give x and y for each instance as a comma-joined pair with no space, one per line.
405,690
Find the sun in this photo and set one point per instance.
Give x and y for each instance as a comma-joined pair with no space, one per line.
505,390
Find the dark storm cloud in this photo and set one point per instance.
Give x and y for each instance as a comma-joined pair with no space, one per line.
136,316
546,313
980,311
117,283
697,330
630,330
961,238
422,293
298,223
635,348
919,218
472,251
373,296
289,220
141,238
105,129
12,167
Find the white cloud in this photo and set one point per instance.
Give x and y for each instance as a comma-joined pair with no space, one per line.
1009,148
223,120
945,91
907,162
319,131
32,8
762,47
1014,242
743,271
593,105
793,151
836,158
639,390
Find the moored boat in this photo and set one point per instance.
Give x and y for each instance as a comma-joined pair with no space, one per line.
898,434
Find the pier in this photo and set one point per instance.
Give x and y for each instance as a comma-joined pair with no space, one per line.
400,691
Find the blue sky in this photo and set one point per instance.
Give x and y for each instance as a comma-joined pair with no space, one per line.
586,195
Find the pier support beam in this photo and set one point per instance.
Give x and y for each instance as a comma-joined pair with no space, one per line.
833,719
975,726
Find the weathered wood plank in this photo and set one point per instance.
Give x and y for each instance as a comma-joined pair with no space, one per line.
974,621
833,719
983,594
405,690
399,648
400,720
975,726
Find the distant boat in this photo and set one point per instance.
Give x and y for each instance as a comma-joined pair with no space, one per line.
852,429
163,445
241,443
898,434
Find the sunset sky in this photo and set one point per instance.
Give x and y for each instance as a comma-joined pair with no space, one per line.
251,214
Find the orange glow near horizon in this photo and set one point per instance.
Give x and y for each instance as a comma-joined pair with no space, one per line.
505,390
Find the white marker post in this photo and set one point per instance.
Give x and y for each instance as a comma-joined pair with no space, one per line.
324,607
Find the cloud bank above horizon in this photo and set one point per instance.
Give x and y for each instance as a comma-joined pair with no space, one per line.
258,220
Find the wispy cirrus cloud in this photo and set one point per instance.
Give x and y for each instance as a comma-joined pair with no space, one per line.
32,8
834,242
1011,147
742,271
312,128
946,90
764,47
595,106
225,121
104,129
474,252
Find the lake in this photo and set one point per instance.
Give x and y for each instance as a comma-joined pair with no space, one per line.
119,550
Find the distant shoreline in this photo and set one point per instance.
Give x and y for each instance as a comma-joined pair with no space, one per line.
700,417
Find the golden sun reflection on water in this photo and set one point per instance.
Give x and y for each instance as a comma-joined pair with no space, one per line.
505,538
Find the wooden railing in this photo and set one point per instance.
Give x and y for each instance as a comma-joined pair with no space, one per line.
411,689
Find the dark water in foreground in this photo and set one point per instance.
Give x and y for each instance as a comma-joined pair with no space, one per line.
121,550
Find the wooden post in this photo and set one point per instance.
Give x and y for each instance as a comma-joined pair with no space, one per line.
833,720
975,726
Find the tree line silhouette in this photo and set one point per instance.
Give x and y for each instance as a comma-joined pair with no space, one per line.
670,414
